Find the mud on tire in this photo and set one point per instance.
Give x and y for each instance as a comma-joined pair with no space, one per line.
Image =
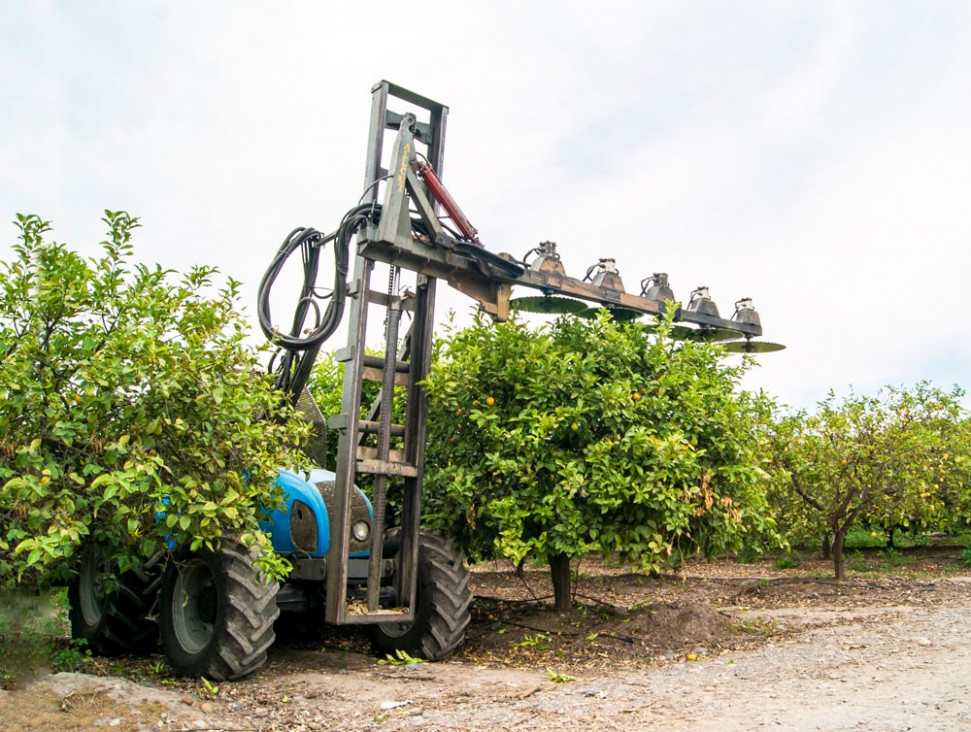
115,622
442,602
217,613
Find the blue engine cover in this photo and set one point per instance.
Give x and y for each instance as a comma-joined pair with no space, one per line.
302,487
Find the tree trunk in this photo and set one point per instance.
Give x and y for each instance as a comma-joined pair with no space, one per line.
827,547
560,572
839,562
520,572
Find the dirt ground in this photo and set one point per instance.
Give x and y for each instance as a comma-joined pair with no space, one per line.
721,645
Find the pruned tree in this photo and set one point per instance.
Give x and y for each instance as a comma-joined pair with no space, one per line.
591,436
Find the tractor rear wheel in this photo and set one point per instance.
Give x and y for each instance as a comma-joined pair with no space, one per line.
442,603
217,613
113,622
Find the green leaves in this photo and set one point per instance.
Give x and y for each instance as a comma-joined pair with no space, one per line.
894,458
126,392
591,436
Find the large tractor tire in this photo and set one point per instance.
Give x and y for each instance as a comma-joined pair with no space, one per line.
442,603
116,622
217,613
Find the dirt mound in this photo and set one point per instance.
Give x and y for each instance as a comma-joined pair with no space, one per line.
597,635
674,625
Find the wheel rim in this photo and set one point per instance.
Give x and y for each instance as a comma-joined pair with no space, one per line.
396,630
91,592
194,606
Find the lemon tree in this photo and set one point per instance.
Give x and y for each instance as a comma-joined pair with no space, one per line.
130,413
894,458
591,436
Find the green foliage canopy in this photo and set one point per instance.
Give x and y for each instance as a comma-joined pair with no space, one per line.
130,411
592,436
895,458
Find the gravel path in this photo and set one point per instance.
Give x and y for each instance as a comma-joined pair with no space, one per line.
898,668
908,670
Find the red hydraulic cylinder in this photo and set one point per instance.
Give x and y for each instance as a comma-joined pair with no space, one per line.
437,190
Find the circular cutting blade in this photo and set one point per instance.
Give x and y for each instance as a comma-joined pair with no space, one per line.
684,333
753,347
621,315
714,334
677,332
547,304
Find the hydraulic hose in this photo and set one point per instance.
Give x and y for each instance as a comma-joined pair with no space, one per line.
300,348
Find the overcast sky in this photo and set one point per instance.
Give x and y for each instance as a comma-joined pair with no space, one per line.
814,156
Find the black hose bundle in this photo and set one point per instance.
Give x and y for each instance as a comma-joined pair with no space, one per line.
300,346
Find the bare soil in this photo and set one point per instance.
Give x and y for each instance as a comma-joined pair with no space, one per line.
719,645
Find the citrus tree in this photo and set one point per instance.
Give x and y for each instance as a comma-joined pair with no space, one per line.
591,436
954,488
130,412
888,458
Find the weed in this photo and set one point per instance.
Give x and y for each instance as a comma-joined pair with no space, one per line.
862,538
540,642
748,556
71,657
211,689
399,658
921,540
818,574
790,562
894,558
966,557
675,562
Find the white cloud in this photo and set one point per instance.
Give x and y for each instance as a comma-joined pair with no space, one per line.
813,157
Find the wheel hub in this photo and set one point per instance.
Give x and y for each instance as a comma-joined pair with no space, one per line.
91,591
194,606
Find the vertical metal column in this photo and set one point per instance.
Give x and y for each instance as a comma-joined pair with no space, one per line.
383,462
423,328
352,356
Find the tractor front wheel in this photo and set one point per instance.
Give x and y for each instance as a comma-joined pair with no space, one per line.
442,603
217,613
